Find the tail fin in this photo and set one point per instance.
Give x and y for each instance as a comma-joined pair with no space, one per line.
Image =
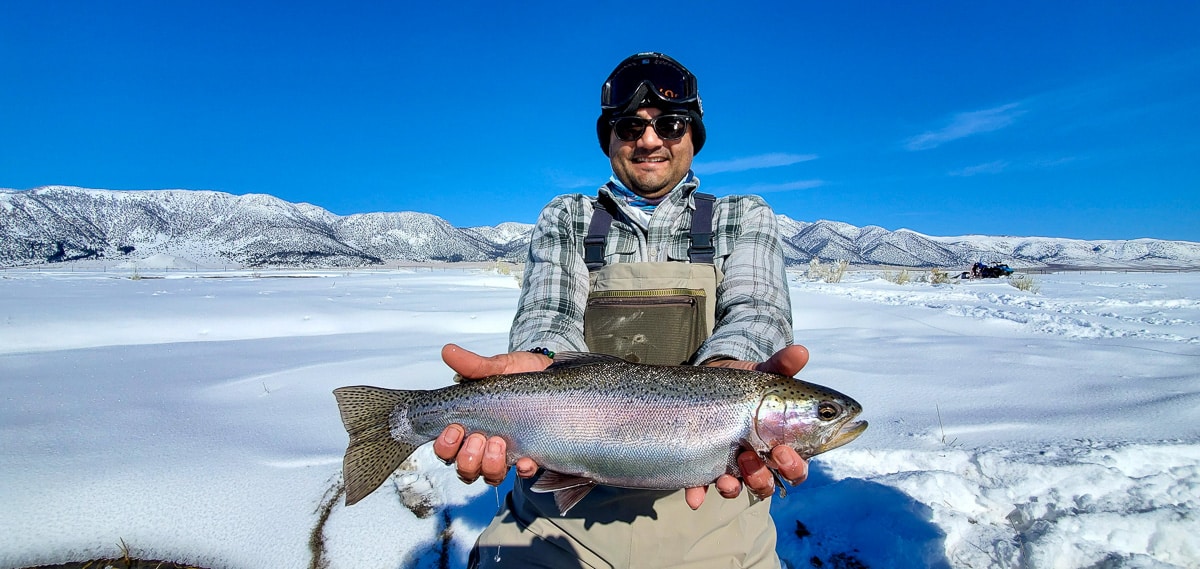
373,453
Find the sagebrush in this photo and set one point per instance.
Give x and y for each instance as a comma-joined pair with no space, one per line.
832,273
938,276
902,277
1025,283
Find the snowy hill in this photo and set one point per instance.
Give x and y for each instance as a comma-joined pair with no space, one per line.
63,223
871,245
59,223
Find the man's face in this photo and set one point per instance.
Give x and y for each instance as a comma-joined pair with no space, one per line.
650,166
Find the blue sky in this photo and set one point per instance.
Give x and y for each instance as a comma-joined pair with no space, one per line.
1067,119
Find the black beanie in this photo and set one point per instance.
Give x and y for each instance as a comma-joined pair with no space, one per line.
645,67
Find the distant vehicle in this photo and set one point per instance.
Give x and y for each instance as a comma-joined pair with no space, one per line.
982,271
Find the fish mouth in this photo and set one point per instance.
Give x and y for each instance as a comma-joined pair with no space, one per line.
847,433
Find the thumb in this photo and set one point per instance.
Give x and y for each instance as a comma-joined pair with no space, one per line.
471,365
788,361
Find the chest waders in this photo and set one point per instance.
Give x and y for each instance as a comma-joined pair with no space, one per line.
656,312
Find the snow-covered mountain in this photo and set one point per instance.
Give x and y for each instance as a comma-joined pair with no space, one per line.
58,223
872,245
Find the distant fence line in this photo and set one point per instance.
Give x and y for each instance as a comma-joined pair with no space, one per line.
1050,271
447,265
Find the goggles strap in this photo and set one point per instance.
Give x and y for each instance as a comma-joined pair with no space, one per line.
639,96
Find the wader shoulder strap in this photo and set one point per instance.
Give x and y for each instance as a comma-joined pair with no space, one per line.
700,251
593,243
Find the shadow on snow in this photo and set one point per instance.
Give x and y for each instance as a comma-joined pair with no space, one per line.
823,523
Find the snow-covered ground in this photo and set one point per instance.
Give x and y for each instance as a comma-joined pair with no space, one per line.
190,417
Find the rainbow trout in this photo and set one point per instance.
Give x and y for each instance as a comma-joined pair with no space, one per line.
593,419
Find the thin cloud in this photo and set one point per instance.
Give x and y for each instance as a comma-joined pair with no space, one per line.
565,181
995,167
1002,166
1055,162
784,187
967,124
772,160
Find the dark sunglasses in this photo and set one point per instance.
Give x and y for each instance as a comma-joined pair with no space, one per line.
667,127
655,73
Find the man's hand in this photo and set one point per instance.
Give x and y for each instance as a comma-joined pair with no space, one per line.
475,453
755,474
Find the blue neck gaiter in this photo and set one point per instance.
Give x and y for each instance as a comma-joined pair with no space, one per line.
640,202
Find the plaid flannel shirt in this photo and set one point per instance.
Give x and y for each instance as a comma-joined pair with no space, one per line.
753,312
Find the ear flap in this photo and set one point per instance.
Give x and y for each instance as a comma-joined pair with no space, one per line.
603,132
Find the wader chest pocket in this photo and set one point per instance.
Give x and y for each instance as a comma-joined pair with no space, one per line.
658,326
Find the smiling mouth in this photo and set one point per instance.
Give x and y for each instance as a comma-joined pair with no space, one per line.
650,159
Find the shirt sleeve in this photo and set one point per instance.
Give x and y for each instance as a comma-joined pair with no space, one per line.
555,285
754,310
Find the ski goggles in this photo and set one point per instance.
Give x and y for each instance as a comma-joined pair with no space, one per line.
648,74
667,127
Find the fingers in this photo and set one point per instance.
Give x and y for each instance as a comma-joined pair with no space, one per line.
495,464
476,455
447,444
526,467
729,486
789,464
695,496
470,457
482,456
734,364
788,361
756,475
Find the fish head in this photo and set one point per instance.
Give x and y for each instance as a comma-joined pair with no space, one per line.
809,418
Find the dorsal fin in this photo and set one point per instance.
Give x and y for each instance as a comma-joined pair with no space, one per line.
564,360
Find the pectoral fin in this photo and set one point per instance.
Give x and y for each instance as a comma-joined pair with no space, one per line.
568,490
774,468
779,483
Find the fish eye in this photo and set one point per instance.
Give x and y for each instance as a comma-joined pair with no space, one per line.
828,410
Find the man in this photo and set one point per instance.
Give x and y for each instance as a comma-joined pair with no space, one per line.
653,271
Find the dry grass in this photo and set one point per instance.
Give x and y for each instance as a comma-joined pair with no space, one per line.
900,278
1025,283
939,276
832,273
125,560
